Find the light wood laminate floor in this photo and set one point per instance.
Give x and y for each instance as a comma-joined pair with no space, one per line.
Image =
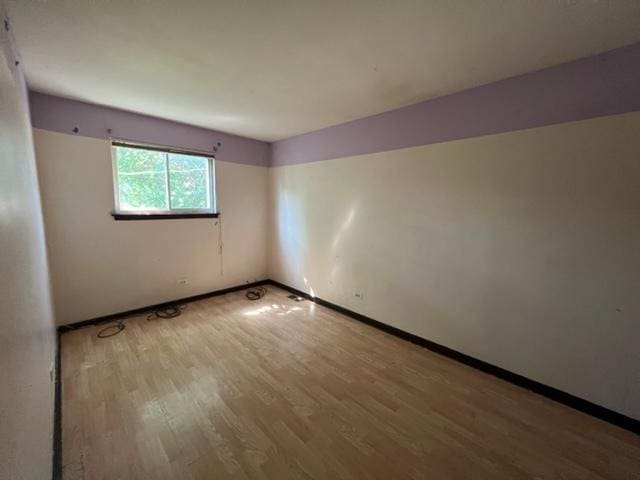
275,389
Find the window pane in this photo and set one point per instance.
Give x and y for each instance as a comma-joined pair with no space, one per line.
189,180
142,179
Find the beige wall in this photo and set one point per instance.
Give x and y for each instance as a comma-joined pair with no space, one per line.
100,266
27,333
521,249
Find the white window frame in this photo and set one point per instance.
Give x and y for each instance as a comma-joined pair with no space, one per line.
211,180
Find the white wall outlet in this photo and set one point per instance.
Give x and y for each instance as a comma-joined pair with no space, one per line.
183,281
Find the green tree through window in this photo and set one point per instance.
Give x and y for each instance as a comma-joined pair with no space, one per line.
156,181
189,179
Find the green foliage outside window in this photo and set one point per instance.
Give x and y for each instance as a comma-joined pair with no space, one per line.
189,179
143,183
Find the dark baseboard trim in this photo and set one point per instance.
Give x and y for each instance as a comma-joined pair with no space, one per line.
56,473
552,393
136,311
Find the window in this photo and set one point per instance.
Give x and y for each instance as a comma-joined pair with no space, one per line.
160,182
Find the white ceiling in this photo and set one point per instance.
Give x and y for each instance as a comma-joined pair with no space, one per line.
270,69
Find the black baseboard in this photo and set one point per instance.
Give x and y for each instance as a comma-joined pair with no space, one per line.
56,474
552,393
137,311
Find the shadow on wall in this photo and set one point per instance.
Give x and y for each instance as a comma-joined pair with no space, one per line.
290,228
291,235
337,238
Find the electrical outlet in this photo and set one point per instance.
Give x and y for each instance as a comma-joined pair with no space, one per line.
183,281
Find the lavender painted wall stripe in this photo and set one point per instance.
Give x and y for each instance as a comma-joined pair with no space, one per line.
604,84
62,115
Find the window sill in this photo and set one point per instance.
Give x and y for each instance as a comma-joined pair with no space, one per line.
161,216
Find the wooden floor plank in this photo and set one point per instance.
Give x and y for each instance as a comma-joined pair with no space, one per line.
278,389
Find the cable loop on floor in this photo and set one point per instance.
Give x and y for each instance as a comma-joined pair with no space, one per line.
256,293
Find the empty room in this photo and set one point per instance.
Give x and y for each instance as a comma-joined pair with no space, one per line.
318,240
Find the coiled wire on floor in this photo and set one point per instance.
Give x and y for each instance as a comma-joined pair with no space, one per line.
256,293
113,329
167,311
